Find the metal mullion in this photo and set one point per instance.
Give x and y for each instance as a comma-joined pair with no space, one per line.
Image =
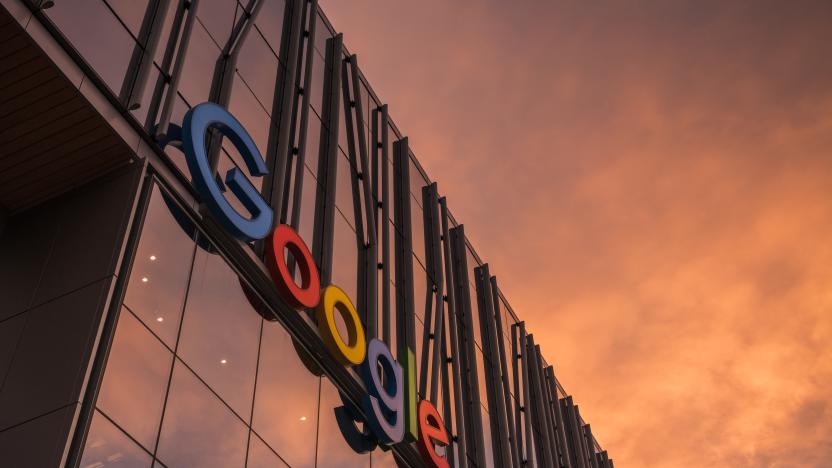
433,258
370,251
384,225
483,299
547,413
224,71
284,109
501,349
456,368
593,461
585,449
327,161
141,60
170,76
467,349
528,408
560,432
542,440
518,410
300,161
571,425
499,393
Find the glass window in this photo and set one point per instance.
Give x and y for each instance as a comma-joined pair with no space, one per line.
333,450
322,33
417,180
417,223
286,403
198,69
383,459
97,35
198,429
317,83
131,13
307,207
261,456
135,381
313,142
345,258
221,332
486,435
159,278
218,17
420,290
343,189
270,22
164,36
250,112
257,65
108,446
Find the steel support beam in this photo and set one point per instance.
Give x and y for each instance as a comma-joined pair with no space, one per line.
141,61
328,160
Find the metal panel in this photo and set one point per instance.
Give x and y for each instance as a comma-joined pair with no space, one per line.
327,160
501,352
434,305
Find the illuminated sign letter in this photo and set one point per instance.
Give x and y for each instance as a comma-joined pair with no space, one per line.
352,351
431,431
384,403
194,130
307,294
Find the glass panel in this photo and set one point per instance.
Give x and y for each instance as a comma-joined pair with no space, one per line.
159,278
383,459
257,65
221,332
97,35
218,17
251,114
270,22
345,258
107,446
417,223
261,456
198,429
307,207
198,69
286,403
317,84
131,13
486,435
417,181
333,450
165,33
313,142
135,381
343,189
419,289
322,33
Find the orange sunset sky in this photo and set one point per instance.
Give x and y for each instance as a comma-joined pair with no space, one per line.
650,182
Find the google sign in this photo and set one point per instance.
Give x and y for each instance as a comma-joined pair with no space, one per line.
388,419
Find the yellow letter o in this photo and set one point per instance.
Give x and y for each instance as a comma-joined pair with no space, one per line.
353,351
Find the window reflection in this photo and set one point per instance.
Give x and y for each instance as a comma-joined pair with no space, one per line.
198,69
135,381
270,22
159,279
221,332
108,447
286,403
383,459
218,17
198,429
131,13
97,35
257,66
333,450
345,258
261,456
486,435
250,112
307,207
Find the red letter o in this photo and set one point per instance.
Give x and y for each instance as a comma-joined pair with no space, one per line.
305,295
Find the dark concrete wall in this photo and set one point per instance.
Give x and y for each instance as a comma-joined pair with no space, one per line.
58,266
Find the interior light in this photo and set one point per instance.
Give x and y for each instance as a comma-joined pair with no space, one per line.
160,319
303,418
145,280
223,361
152,258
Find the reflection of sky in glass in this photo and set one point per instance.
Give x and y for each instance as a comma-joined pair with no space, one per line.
220,332
198,429
108,446
135,381
333,451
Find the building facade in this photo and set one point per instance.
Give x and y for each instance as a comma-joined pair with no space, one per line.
143,318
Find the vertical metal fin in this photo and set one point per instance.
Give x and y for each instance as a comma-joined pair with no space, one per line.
141,61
